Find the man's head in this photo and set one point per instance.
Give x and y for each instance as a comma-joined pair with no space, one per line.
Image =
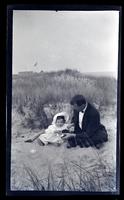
78,102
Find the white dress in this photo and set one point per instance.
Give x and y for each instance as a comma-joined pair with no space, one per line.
53,134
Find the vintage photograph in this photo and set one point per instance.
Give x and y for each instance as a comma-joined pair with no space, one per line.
64,134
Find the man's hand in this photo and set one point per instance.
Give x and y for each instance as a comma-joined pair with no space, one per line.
71,127
63,135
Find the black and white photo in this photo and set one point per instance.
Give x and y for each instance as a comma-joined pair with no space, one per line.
64,110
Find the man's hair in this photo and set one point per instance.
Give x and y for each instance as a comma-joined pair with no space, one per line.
60,117
78,99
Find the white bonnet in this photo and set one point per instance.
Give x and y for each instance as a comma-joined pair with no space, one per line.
66,116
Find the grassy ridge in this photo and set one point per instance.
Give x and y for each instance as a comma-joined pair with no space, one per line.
31,94
60,86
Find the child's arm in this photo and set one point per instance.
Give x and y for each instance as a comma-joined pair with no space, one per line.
69,130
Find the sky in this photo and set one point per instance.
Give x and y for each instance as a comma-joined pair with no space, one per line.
50,40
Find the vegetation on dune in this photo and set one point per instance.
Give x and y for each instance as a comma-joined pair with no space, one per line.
30,95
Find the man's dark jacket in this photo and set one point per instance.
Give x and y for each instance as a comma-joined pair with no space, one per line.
90,123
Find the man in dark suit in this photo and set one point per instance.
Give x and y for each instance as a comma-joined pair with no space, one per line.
87,127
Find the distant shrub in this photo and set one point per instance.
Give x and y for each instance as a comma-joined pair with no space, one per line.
35,117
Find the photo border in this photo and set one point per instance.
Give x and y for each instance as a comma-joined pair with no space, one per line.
56,7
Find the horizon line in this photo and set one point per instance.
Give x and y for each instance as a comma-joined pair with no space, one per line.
65,70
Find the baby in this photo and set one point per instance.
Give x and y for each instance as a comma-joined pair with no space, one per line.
55,133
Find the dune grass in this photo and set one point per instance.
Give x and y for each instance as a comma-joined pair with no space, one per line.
74,177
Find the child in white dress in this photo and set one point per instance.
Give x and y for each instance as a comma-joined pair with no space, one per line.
54,133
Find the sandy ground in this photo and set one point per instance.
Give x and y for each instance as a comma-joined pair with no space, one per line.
39,158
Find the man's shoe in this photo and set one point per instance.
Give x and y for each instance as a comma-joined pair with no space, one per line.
87,144
81,145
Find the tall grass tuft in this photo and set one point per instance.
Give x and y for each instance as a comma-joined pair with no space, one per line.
74,176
